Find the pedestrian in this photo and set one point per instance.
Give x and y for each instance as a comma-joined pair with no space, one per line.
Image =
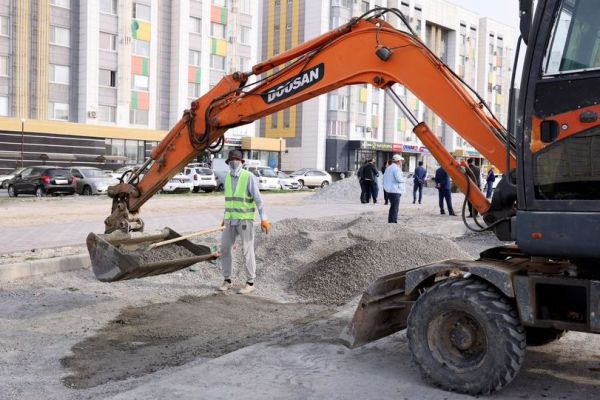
444,186
242,198
364,192
369,176
394,185
477,175
419,180
385,194
374,183
491,178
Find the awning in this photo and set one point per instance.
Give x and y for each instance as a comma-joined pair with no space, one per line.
262,143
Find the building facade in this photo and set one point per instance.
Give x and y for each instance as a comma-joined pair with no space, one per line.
88,81
339,130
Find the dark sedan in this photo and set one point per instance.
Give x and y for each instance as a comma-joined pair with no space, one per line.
42,181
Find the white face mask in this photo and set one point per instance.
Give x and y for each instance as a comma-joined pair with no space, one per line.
234,165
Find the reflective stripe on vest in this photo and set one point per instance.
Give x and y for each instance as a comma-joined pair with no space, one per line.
239,205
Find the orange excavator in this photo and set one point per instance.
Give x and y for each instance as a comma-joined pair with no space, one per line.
468,322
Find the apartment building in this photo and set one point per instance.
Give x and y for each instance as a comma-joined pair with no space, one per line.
97,81
338,130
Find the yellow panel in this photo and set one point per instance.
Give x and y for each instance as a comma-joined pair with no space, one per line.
221,47
363,95
143,32
42,61
261,143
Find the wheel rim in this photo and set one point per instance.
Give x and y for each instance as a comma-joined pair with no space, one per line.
457,340
38,192
87,191
11,191
325,183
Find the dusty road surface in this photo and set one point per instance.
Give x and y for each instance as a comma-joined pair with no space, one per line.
68,336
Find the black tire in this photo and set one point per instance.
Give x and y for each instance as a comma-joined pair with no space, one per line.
466,336
87,191
324,184
4,184
301,183
542,336
208,190
220,188
39,192
196,189
12,192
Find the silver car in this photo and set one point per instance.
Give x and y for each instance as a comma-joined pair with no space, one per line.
92,180
5,178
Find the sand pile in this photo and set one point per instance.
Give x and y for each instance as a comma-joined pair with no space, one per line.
330,261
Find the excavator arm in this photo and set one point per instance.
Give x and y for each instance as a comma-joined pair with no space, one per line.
366,50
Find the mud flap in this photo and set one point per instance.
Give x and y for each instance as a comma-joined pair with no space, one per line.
114,258
382,310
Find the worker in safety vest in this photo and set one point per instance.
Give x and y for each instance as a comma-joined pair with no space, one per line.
242,199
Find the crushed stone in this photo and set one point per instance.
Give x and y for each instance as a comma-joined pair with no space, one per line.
167,252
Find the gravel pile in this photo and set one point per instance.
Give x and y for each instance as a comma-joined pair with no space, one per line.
331,261
162,253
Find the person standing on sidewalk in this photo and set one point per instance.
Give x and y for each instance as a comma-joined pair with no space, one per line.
444,187
394,185
419,180
491,178
365,194
242,199
369,175
385,194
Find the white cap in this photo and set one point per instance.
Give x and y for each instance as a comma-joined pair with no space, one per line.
397,157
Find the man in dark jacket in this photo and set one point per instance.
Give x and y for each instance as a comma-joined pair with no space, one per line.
477,175
359,175
369,176
419,180
443,185
491,178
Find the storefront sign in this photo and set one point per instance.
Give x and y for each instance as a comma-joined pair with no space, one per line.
237,142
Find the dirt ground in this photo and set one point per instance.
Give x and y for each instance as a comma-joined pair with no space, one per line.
68,336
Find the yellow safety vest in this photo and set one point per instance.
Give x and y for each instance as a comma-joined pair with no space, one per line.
239,205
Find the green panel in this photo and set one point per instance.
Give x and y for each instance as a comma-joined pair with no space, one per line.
134,101
213,46
134,29
197,75
145,67
224,16
398,124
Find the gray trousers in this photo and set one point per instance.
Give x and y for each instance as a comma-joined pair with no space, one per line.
245,230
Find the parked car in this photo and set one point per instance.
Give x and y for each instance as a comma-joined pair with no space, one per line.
92,180
178,184
312,178
5,178
287,182
118,173
202,178
41,181
267,178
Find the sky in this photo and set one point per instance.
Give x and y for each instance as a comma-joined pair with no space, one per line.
505,11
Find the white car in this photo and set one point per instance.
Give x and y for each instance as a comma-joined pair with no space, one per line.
178,184
202,178
266,176
5,178
312,178
287,182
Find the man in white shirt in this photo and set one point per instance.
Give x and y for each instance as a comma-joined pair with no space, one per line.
394,185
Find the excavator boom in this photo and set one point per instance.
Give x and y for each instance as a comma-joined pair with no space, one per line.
364,51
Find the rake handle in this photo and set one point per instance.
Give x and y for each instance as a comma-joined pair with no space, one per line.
177,239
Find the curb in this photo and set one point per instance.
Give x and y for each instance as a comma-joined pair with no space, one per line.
11,272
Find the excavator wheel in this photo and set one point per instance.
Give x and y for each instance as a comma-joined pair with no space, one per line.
466,336
542,336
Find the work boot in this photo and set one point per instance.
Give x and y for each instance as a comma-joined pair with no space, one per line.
442,212
452,214
249,288
225,286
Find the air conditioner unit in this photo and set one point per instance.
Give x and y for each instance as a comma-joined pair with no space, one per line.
92,114
231,39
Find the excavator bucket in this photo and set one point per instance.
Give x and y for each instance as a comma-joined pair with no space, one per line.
382,310
118,256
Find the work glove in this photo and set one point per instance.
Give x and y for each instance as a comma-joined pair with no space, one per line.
265,226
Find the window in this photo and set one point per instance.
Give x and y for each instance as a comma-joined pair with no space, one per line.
217,62
217,30
338,102
4,25
194,57
375,109
220,3
244,64
3,65
108,41
140,82
575,43
194,90
337,21
107,114
341,3
195,25
245,33
59,74
364,6
107,78
245,6
61,3
108,6
141,11
336,128
60,36
141,48
138,117
362,107
58,111
4,106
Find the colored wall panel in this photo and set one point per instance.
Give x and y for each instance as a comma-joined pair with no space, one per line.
218,47
218,15
363,95
140,101
140,66
194,74
140,30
